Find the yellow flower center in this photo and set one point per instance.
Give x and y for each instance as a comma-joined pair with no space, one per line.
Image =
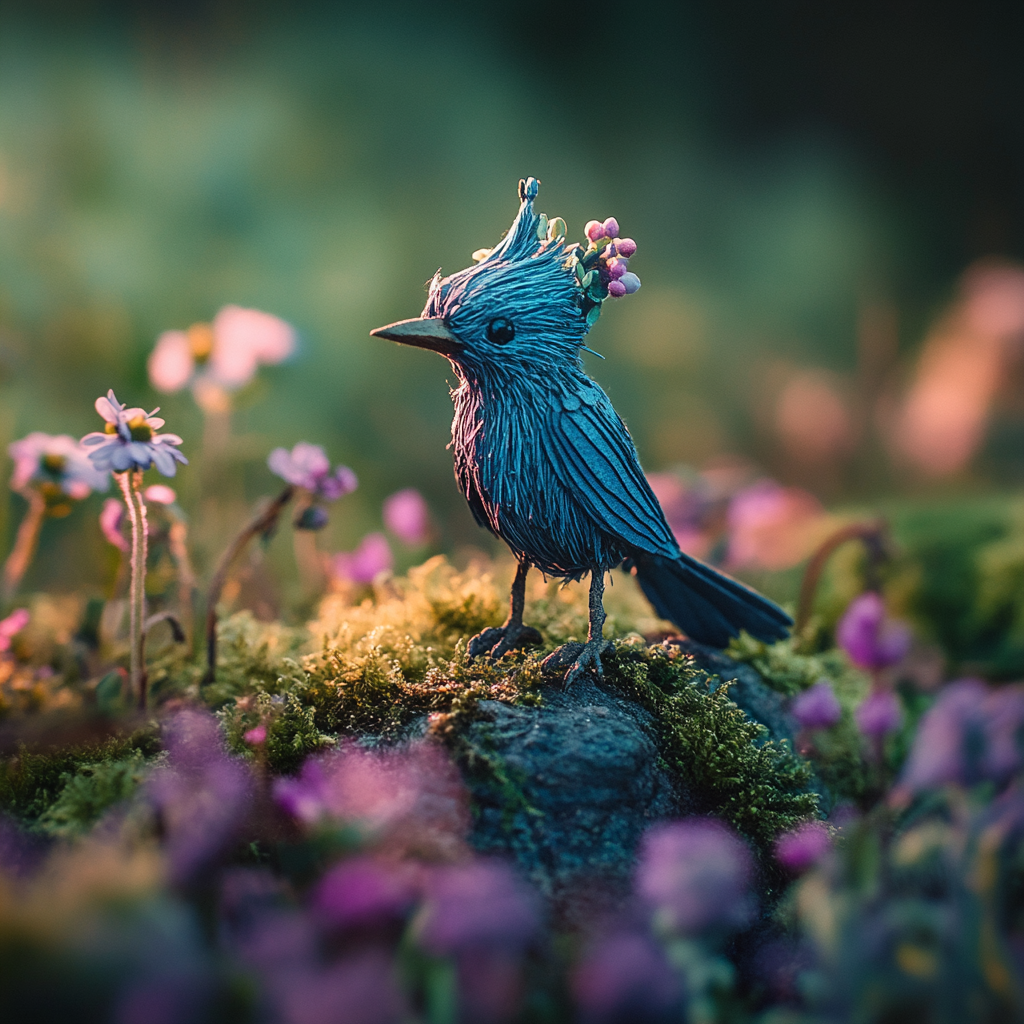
109,428
140,429
54,463
200,338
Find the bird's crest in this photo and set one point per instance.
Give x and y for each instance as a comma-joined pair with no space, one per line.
594,270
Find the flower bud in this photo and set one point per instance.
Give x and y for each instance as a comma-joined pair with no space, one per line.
626,246
557,229
631,283
616,289
617,267
610,227
594,230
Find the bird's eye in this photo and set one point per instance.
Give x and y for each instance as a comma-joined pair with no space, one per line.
500,331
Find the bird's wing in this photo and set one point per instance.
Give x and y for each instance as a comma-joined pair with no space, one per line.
593,453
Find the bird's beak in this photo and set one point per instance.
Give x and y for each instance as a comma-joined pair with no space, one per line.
423,332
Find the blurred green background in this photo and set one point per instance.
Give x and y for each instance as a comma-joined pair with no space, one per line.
807,185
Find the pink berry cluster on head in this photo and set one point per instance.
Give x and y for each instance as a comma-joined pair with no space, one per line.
614,259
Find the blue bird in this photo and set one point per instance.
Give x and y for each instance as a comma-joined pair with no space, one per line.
541,456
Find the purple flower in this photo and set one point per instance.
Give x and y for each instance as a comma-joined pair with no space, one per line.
55,463
406,515
971,733
625,976
307,466
616,289
805,845
879,714
409,797
372,557
111,521
130,440
871,639
481,903
202,794
594,230
696,873
818,707
625,246
363,891
14,623
610,228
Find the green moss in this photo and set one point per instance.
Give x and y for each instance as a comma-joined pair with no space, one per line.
33,781
91,790
710,744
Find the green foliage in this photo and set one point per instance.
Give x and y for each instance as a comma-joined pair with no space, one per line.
707,741
34,781
89,792
790,672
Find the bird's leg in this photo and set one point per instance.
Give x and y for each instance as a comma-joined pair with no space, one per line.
580,658
496,640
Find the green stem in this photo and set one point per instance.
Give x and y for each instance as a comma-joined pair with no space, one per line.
24,544
262,522
130,483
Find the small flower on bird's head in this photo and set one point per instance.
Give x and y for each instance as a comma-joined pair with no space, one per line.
308,467
818,707
130,441
226,353
111,520
406,515
870,638
56,466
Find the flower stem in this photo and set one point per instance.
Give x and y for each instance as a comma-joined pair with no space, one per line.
24,544
872,533
130,483
262,522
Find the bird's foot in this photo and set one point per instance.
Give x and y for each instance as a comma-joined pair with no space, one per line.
497,640
578,658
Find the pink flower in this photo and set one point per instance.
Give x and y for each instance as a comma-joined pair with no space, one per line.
406,516
55,461
14,623
594,230
160,494
111,520
818,707
372,557
871,639
610,228
625,246
362,891
226,353
307,466
879,714
805,845
257,736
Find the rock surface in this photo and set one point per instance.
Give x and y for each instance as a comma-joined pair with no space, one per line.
583,780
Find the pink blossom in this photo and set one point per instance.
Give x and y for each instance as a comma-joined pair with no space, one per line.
14,623
111,520
307,466
171,363
805,845
372,557
160,494
406,515
363,891
617,267
594,230
610,228
57,461
244,339
256,736
625,246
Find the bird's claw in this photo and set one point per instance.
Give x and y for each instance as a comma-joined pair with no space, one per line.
497,640
578,658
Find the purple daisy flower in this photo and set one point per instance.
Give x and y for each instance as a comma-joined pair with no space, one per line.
130,440
307,466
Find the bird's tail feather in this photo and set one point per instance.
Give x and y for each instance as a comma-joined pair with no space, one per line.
706,605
